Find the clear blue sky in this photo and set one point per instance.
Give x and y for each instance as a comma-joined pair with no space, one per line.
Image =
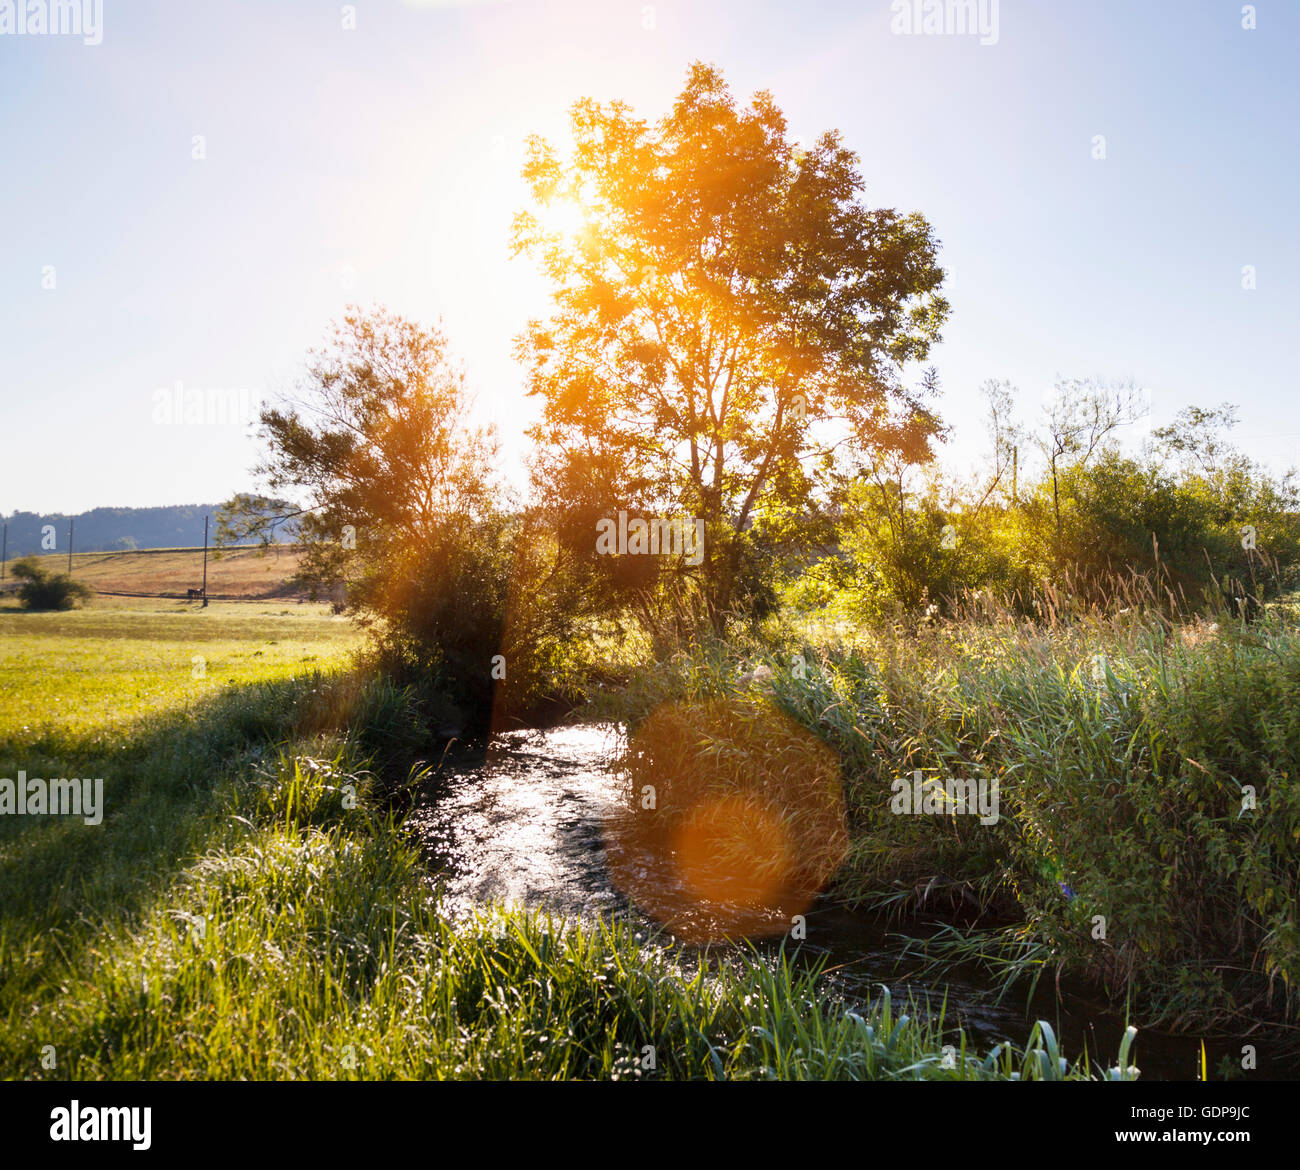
380,164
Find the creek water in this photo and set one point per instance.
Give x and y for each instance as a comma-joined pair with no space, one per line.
529,823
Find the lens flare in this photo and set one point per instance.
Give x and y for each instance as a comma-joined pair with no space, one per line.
732,850
734,819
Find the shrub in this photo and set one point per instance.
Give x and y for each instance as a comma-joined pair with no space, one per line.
479,613
1123,756
42,589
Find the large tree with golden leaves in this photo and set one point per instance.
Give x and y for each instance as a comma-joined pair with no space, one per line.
730,320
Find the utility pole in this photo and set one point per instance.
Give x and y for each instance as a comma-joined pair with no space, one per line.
72,521
205,562
1015,472
4,550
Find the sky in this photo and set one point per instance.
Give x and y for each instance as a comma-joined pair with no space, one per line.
188,203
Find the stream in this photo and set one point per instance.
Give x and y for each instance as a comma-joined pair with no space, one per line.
530,825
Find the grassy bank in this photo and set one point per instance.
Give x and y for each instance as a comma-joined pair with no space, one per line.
1149,782
248,908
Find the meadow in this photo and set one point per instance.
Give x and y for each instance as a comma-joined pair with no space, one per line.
102,668
251,906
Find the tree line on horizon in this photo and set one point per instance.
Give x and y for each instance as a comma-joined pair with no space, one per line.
107,529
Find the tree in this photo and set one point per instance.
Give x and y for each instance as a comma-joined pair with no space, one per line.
247,515
377,446
398,498
1083,414
1198,436
730,320
1005,436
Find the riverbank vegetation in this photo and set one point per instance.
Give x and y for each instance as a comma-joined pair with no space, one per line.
1146,776
1096,626
253,908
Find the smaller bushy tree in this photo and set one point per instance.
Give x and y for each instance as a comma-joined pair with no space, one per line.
42,589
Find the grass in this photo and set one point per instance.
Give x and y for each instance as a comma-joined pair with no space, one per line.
1149,777
304,950
291,958
251,909
99,670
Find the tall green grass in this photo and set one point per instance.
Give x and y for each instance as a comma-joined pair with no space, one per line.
312,948
1126,750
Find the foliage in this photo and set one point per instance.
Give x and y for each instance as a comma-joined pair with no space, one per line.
728,317
1147,776
488,618
1207,533
405,511
41,589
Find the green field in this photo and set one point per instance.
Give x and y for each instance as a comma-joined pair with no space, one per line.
93,672
129,695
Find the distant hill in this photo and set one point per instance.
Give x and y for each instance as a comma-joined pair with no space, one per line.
111,529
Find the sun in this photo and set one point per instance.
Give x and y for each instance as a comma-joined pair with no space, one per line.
563,215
